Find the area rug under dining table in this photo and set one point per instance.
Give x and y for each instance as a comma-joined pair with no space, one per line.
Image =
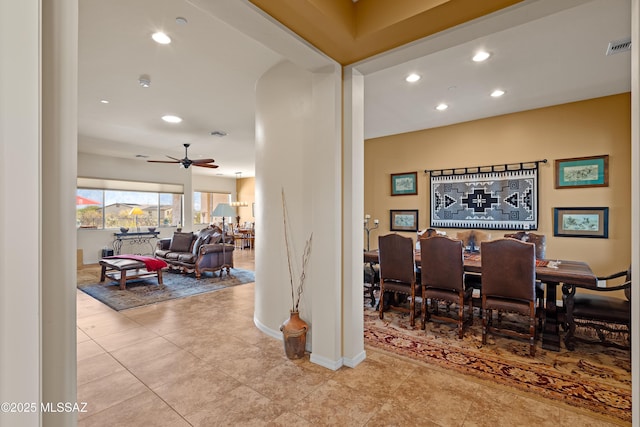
148,291
592,377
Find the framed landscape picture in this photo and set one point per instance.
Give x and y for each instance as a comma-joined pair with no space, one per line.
581,222
404,184
406,220
582,172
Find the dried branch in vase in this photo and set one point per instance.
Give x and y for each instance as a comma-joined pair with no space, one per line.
296,289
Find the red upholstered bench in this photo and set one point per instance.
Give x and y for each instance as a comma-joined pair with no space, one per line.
126,267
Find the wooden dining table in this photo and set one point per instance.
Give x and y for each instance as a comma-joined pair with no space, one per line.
569,274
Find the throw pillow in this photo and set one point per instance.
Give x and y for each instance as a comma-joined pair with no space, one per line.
181,242
215,238
201,240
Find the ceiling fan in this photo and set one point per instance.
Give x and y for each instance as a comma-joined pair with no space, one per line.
186,162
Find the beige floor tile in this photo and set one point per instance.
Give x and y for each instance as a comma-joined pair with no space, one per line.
108,391
81,336
287,383
171,367
143,410
319,407
127,337
192,392
390,414
289,419
96,367
107,323
242,406
88,349
144,351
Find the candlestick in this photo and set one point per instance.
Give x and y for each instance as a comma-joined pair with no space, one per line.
368,229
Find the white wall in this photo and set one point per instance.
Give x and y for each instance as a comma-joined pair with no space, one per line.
94,166
298,147
20,347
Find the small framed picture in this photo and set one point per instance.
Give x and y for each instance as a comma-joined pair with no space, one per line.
404,184
582,172
581,222
406,220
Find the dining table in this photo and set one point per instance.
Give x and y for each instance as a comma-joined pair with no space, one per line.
553,273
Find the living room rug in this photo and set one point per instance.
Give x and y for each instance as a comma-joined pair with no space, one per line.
592,377
175,285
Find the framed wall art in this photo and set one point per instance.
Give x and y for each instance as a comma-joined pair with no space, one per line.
404,184
581,222
406,220
582,172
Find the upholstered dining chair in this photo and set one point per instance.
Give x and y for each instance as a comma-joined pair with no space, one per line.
508,285
397,272
540,241
442,271
607,315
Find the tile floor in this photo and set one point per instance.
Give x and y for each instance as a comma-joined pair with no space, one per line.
200,361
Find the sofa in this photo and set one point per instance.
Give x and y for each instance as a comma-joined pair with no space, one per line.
197,252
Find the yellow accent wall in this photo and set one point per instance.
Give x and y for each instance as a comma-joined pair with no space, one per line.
246,190
587,128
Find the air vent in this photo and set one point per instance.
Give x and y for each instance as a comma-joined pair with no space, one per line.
218,133
618,46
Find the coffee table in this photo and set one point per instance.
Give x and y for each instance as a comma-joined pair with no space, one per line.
122,270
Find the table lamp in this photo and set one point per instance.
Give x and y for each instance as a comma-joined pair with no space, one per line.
136,212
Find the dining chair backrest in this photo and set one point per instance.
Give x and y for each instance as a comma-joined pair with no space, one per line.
397,258
540,240
442,263
508,269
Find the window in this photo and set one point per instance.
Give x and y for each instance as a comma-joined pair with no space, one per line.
100,208
204,204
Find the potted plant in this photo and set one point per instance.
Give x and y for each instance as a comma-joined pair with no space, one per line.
294,329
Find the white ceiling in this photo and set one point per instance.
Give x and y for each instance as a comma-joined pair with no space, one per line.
208,74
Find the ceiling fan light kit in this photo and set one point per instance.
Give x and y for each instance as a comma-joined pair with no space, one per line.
186,162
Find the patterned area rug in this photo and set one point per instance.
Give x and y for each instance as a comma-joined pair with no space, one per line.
592,377
176,285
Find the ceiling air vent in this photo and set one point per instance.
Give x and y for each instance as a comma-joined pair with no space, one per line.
618,46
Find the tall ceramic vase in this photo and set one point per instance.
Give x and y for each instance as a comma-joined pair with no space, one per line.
294,331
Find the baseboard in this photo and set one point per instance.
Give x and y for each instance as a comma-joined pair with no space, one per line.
267,330
353,362
334,365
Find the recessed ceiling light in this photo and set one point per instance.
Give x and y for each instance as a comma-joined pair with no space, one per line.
144,80
104,101
171,119
481,56
497,93
181,21
442,107
161,38
413,77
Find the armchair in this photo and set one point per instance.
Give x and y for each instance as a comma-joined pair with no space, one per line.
508,284
608,316
397,272
442,271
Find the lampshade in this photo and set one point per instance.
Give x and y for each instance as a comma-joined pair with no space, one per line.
223,210
136,211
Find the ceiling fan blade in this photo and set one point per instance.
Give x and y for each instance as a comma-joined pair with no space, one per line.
163,161
202,161
205,165
173,158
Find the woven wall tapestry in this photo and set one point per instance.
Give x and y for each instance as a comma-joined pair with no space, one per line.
503,200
